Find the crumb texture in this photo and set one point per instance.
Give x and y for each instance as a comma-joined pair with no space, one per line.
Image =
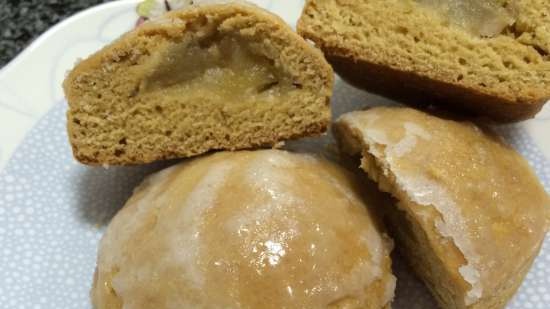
497,52
471,205
212,76
234,229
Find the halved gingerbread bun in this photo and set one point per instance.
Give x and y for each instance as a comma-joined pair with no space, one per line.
208,77
485,58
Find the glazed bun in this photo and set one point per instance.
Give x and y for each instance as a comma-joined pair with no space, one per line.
470,214
264,229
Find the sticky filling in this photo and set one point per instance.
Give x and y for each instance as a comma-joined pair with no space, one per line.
487,18
227,69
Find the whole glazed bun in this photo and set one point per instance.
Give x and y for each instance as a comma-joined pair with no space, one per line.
470,213
264,229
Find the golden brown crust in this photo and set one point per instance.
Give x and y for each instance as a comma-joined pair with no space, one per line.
415,89
109,124
406,58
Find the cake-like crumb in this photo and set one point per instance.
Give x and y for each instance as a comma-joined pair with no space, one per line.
465,55
209,77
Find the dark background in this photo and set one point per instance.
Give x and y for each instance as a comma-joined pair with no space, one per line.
22,21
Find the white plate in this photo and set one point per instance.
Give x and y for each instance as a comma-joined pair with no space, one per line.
53,210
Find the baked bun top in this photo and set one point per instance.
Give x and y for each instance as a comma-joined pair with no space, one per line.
264,229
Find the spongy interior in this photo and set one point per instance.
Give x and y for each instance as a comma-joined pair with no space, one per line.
416,38
206,90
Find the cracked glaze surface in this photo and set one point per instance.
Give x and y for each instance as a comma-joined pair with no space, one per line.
488,200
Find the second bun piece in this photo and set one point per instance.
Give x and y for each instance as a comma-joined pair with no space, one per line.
470,216
490,58
264,229
208,77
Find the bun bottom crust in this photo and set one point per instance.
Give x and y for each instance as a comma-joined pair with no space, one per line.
419,91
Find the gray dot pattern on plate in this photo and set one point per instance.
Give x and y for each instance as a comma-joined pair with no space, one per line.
53,212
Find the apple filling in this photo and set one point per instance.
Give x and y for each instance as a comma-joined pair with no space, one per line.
486,18
227,70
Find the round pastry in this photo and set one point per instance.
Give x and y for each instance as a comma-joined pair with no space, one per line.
208,77
264,229
471,215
